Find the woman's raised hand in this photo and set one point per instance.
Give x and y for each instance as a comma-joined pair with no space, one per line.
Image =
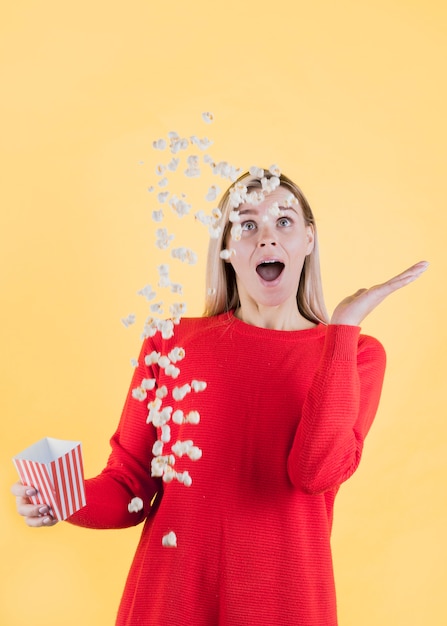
353,309
35,515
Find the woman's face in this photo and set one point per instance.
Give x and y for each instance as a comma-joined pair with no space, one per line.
268,258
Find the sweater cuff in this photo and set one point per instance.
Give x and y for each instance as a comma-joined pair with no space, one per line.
341,342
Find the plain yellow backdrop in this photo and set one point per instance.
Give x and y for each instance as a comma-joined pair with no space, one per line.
349,98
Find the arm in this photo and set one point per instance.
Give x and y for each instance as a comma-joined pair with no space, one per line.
344,395
338,411
127,473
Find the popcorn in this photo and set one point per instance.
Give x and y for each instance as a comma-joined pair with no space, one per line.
139,394
157,216
203,143
176,354
178,393
193,417
157,307
163,238
162,196
291,201
152,358
157,448
207,117
198,385
184,478
163,182
159,144
129,320
163,361
135,505
148,383
147,292
226,254
178,417
134,362
165,433
193,169
180,448
160,169
173,164
211,291
167,329
236,232
169,540
185,255
274,210
177,288
162,392
234,217
270,184
172,371
179,206
214,231
212,194
225,170
216,214
275,171
159,465
257,172
177,309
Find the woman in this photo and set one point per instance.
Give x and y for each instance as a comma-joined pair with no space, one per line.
253,416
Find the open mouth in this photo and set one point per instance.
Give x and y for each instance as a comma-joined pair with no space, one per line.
270,270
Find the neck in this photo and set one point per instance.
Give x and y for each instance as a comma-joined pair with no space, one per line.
273,317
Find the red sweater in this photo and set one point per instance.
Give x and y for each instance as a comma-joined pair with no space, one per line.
282,424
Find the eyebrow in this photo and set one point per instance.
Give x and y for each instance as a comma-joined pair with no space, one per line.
281,208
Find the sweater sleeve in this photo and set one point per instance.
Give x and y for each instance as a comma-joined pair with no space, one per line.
338,410
128,472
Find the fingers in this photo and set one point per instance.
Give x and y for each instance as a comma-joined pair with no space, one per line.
407,276
36,515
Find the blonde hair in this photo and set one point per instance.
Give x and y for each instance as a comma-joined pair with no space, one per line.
221,288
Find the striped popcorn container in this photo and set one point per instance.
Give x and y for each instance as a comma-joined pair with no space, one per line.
54,468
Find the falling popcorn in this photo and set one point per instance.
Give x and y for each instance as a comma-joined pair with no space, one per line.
207,117
198,385
213,193
226,254
157,216
257,172
185,255
147,292
160,144
129,320
236,232
160,169
135,505
163,238
176,354
169,540
275,171
162,196
178,393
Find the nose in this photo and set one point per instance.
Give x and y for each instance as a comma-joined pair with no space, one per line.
266,235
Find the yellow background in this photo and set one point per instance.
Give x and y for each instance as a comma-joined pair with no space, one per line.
349,98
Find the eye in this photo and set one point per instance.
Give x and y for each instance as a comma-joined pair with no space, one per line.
284,221
248,225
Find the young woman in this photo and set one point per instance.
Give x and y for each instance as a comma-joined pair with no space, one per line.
239,429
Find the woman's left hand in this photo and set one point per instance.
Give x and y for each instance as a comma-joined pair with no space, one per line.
353,309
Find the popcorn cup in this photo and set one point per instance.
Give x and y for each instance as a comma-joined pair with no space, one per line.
54,468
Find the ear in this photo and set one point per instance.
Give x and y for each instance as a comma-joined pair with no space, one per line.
310,235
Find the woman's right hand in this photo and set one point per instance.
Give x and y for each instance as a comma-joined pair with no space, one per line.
36,515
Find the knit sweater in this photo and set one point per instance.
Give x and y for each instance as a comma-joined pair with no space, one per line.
282,423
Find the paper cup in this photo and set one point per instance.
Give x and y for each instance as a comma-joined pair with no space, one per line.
54,468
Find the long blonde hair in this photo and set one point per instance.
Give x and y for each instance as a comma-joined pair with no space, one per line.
221,288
